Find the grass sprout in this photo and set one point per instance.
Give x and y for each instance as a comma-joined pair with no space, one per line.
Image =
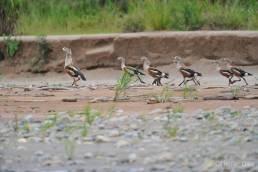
122,84
164,95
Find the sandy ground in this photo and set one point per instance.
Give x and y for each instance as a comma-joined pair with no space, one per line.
25,93
136,138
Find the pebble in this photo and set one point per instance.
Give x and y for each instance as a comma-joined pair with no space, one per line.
39,153
102,139
22,140
142,142
182,139
132,157
21,148
113,133
88,155
121,143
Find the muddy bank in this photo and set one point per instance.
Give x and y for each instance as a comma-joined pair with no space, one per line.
93,51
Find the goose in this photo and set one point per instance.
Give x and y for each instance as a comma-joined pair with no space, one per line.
153,72
131,70
239,73
224,72
70,69
186,72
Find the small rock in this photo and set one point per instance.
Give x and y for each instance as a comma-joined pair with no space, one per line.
121,143
113,133
39,153
27,89
182,139
248,139
155,111
207,165
21,148
28,118
102,139
132,157
133,126
165,157
88,155
22,140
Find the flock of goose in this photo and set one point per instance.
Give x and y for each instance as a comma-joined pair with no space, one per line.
187,73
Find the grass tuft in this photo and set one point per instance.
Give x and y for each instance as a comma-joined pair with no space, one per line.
164,95
122,84
12,46
235,91
189,92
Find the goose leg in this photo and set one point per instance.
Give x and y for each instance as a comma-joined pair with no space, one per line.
154,82
159,81
197,81
230,80
245,81
140,79
73,82
182,82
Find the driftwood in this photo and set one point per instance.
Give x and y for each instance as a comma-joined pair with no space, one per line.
69,99
221,97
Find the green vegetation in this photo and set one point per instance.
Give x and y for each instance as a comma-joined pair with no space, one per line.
48,123
44,50
189,92
164,95
69,147
122,84
12,45
105,16
89,117
171,127
178,109
235,91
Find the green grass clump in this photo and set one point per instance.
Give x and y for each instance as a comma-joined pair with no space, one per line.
69,147
122,84
190,92
89,116
48,123
235,91
164,95
171,126
12,46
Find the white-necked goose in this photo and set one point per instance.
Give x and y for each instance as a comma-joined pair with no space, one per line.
186,72
70,69
224,72
239,73
131,70
153,72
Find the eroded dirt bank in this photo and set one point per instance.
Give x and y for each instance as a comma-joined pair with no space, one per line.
93,51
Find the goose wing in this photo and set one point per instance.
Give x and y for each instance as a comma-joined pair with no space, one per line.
155,73
134,70
238,72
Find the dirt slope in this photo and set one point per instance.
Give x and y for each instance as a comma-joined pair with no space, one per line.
92,51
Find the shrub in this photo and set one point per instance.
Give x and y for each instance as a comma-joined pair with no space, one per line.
44,50
133,24
12,46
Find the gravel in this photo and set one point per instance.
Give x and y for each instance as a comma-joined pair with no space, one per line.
201,141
